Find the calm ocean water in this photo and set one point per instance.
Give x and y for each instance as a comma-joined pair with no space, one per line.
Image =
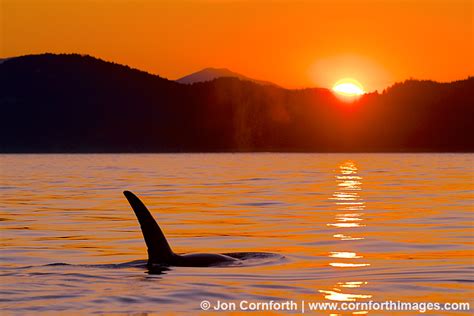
351,228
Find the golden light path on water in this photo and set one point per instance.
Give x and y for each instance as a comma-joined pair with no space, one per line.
350,207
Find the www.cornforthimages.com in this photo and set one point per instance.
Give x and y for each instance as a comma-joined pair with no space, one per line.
308,306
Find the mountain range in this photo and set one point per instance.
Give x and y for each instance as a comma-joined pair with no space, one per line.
209,74
76,103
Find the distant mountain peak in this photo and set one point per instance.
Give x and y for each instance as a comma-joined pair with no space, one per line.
211,73
217,69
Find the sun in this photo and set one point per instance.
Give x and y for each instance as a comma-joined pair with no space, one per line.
348,87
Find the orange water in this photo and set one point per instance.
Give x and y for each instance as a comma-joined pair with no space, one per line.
352,227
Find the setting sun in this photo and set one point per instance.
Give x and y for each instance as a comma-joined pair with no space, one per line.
348,87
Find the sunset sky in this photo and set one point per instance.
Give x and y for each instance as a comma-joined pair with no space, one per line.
292,43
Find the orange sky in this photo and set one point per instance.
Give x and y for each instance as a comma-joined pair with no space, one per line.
292,43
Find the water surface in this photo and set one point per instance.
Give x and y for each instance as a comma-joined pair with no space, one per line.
351,227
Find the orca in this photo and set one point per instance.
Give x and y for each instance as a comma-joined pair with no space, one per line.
159,250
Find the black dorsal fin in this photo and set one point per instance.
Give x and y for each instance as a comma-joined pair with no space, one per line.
159,251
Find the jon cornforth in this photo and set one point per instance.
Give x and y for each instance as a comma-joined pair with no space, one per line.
256,306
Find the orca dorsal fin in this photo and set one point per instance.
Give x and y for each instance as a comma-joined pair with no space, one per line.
159,251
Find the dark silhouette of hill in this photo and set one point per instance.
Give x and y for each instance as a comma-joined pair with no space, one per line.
74,103
209,74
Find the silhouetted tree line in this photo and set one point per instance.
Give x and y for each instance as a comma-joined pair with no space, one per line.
74,103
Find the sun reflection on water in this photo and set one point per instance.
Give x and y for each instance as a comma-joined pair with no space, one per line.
350,207
351,284
345,225
346,237
343,297
347,255
348,265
